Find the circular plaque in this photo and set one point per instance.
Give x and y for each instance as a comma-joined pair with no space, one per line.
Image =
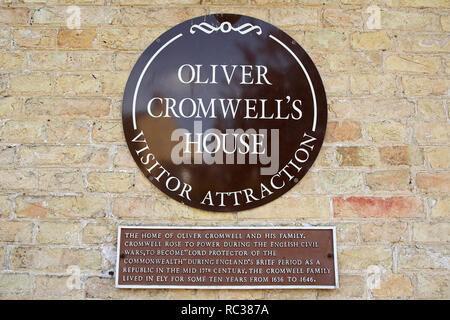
224,112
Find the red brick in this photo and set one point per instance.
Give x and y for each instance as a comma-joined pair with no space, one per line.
438,182
374,207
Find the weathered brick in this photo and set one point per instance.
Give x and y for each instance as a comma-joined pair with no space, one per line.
431,110
89,16
16,231
389,180
123,158
99,234
15,284
252,11
57,287
438,158
125,38
445,22
424,86
430,43
68,132
357,156
71,207
47,61
378,40
308,185
433,182
60,181
286,17
431,132
394,286
69,61
325,40
5,37
125,61
59,233
336,84
18,180
360,258
11,61
155,17
55,259
31,83
440,208
326,157
368,108
77,84
418,3
373,84
11,107
131,208
410,21
55,156
413,64
34,38
2,257
4,83
376,207
420,257
114,83
17,15
69,109
400,155
385,232
7,156
433,286
5,207
343,131
431,232
340,181
386,131
143,185
28,131
355,62
348,233
77,39
109,181
342,18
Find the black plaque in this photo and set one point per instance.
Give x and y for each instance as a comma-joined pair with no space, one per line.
227,258
224,112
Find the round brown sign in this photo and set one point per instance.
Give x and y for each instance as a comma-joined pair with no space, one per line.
224,112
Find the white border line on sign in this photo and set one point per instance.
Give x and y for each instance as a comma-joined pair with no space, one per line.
333,228
307,77
142,75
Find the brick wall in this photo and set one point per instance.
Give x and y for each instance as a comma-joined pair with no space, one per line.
67,179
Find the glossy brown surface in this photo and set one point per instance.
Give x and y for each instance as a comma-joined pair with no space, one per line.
226,257
224,40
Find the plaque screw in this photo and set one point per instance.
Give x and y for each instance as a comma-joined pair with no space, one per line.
330,255
122,256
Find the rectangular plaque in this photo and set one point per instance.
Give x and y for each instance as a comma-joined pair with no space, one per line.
227,258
